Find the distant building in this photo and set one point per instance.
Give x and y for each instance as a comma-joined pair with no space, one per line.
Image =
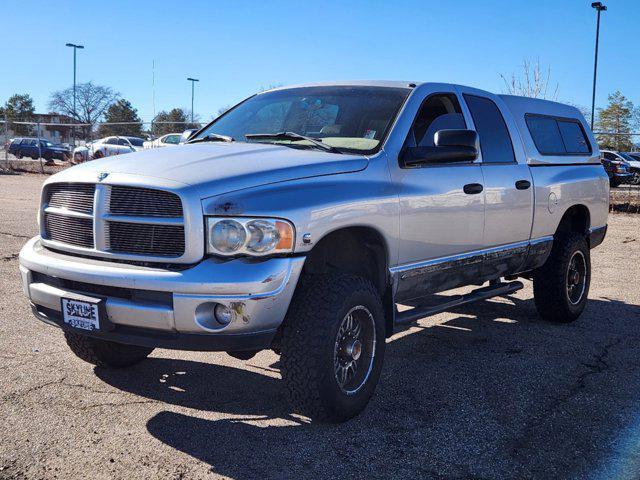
49,130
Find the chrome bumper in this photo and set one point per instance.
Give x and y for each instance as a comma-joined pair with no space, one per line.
257,290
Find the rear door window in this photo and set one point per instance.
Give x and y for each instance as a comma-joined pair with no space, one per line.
495,141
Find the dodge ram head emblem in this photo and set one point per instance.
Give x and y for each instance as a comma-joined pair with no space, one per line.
102,176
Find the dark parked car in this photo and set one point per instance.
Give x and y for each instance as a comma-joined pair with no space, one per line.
34,148
616,167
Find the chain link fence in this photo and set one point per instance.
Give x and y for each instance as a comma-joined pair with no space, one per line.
47,147
37,146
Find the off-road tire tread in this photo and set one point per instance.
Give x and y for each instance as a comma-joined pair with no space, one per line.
549,280
102,353
305,330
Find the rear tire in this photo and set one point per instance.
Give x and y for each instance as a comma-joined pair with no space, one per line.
333,342
103,353
614,183
561,285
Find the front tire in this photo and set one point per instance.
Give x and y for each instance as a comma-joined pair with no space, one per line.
561,285
332,344
103,353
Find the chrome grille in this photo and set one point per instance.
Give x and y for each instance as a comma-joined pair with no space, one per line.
144,239
127,221
144,202
77,197
72,230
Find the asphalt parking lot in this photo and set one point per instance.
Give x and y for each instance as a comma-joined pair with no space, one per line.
487,391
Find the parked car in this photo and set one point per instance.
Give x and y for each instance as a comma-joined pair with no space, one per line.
616,166
38,148
106,147
168,140
302,218
633,160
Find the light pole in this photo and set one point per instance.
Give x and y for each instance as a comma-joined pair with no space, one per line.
75,48
193,82
599,8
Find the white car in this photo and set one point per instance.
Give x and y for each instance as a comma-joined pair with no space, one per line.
168,140
105,147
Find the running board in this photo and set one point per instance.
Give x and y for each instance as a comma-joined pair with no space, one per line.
410,316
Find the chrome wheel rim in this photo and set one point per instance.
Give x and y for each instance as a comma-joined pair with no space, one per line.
576,277
354,350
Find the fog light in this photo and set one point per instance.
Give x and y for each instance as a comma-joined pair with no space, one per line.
223,314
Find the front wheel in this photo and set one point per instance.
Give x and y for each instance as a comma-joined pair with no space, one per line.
103,353
561,285
635,180
332,344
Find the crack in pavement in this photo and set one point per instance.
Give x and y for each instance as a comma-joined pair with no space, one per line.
15,235
8,258
597,366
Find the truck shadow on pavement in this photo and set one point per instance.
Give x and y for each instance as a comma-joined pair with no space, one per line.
492,393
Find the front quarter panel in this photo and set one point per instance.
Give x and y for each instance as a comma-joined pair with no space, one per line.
319,205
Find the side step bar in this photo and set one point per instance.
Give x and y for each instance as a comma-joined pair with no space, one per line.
409,316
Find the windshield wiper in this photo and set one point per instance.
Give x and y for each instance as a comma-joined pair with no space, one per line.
212,137
292,136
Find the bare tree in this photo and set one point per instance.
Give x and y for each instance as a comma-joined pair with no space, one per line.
532,82
92,101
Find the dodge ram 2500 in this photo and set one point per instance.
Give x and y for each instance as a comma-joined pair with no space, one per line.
301,218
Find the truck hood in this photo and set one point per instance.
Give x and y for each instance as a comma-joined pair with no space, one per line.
215,168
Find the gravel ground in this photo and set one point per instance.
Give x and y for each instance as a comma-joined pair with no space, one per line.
484,391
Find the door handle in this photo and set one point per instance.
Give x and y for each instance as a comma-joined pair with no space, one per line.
523,184
472,188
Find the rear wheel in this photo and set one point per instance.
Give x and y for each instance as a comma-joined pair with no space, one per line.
332,346
635,180
103,353
561,285
98,154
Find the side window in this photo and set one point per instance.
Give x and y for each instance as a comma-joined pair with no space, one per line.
111,141
609,156
556,136
123,142
438,112
172,139
495,141
573,136
546,135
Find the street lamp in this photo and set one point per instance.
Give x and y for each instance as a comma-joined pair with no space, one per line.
599,8
193,82
75,48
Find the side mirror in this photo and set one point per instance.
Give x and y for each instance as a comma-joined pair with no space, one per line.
451,146
187,134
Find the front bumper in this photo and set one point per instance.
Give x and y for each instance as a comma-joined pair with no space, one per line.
168,308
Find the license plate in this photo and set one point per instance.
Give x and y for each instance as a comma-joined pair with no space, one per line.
81,314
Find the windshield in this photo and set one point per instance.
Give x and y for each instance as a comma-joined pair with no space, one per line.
135,141
350,118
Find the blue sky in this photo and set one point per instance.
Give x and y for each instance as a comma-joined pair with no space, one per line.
237,47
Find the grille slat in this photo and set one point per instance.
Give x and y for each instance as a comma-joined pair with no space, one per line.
143,239
71,230
77,197
144,202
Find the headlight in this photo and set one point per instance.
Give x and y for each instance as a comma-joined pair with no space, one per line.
249,236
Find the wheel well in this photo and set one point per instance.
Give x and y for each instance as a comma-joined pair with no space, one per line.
575,219
358,251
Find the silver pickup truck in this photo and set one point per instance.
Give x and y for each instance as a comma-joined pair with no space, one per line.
303,217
